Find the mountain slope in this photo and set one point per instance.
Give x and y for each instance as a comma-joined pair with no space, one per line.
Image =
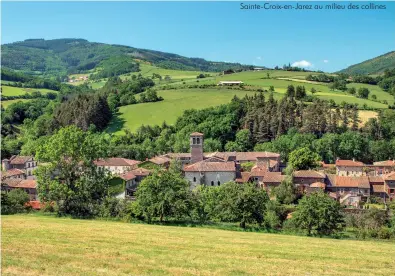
375,65
65,56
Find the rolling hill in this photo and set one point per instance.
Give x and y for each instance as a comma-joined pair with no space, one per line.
372,66
59,57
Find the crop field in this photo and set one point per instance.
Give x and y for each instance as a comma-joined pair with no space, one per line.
42,245
18,91
173,105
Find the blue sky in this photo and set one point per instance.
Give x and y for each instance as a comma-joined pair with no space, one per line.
328,40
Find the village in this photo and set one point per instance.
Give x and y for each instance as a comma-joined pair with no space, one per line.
350,182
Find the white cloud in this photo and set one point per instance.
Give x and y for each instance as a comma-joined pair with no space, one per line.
302,64
259,58
326,61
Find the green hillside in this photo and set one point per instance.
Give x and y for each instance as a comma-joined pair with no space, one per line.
372,66
177,100
59,57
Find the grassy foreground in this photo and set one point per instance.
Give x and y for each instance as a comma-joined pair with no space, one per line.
38,245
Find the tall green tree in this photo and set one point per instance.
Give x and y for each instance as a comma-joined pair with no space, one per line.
318,214
68,175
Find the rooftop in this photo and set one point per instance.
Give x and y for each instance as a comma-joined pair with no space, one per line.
12,172
204,166
309,174
352,182
349,163
116,161
20,160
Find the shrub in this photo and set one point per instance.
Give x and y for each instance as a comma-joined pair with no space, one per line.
14,202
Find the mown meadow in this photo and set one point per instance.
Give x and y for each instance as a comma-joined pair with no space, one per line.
43,245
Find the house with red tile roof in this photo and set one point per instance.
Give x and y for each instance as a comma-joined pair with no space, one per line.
117,165
27,164
28,185
349,168
389,185
13,174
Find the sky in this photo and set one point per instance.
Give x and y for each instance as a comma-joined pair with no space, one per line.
327,40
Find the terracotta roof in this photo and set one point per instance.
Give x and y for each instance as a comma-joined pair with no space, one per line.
116,161
390,176
19,160
309,174
160,160
28,183
127,176
178,155
12,172
386,163
258,170
253,156
140,172
376,179
377,188
349,163
273,177
197,134
352,182
331,179
324,165
245,176
21,183
318,185
35,204
204,166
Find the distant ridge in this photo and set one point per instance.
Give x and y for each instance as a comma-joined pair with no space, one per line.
72,55
375,65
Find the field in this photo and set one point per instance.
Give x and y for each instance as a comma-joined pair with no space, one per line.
173,105
176,101
40,245
18,91
7,103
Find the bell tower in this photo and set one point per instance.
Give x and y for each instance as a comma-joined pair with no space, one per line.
196,144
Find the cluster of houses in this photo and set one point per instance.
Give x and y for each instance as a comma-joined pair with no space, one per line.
349,181
81,78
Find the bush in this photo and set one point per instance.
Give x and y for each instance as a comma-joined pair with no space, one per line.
14,202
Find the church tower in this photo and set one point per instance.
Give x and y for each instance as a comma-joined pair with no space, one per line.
196,143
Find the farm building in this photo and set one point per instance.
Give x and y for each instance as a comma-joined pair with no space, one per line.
230,83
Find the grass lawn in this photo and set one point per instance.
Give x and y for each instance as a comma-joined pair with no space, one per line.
18,91
7,103
41,245
173,105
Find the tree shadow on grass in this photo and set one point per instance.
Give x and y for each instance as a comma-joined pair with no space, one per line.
116,124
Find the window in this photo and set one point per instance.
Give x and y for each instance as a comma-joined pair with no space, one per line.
198,140
28,165
29,173
219,183
194,140
194,179
212,183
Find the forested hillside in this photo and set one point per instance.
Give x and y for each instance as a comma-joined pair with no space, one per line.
60,57
375,65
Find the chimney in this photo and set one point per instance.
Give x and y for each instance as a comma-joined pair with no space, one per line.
196,144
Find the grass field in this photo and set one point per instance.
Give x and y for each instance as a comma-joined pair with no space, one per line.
176,101
7,103
39,245
18,91
173,105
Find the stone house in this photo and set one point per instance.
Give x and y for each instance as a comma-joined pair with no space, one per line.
13,174
210,173
383,167
116,165
132,180
389,185
27,164
349,168
28,185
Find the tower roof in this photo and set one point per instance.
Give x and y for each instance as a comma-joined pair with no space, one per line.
196,134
